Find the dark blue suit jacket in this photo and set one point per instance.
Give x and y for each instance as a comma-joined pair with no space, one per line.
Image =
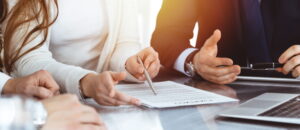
177,19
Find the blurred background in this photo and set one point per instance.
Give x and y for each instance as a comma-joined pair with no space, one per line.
148,10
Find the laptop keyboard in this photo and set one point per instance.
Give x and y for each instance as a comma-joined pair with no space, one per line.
289,109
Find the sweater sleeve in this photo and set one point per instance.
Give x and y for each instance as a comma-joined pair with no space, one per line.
128,43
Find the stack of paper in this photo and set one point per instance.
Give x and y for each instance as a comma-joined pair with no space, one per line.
171,94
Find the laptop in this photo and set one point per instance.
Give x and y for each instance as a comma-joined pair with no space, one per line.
273,107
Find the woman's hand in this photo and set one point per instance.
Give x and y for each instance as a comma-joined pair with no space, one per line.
151,61
291,60
65,112
101,87
40,85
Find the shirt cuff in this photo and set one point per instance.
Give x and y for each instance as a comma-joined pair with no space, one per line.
3,79
180,62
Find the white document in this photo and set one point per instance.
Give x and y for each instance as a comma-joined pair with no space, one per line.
171,94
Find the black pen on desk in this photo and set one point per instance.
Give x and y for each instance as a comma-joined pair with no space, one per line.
271,65
260,66
148,78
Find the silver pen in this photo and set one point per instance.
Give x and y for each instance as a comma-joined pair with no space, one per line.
148,78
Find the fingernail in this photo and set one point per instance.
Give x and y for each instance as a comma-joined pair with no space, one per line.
49,94
141,70
137,102
141,78
111,94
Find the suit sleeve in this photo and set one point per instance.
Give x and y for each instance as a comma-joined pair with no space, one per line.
174,29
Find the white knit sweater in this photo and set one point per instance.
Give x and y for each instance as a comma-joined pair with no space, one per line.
89,36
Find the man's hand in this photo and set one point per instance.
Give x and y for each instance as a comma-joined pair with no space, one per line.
65,112
291,60
101,87
40,85
151,61
212,68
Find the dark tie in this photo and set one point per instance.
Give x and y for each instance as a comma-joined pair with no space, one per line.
254,37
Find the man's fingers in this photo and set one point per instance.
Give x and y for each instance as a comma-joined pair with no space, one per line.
296,72
127,99
294,50
220,62
291,64
227,78
213,40
219,71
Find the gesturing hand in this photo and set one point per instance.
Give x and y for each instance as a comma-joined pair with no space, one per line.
212,68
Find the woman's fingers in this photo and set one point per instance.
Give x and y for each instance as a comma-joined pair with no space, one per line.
133,66
113,101
148,57
151,57
118,76
45,80
127,99
154,68
39,92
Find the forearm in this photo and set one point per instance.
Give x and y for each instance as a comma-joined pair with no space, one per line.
67,76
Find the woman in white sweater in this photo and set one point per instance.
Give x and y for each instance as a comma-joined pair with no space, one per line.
79,42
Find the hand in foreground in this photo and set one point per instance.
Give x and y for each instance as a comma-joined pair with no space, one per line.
65,112
212,68
101,87
151,61
40,85
291,60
